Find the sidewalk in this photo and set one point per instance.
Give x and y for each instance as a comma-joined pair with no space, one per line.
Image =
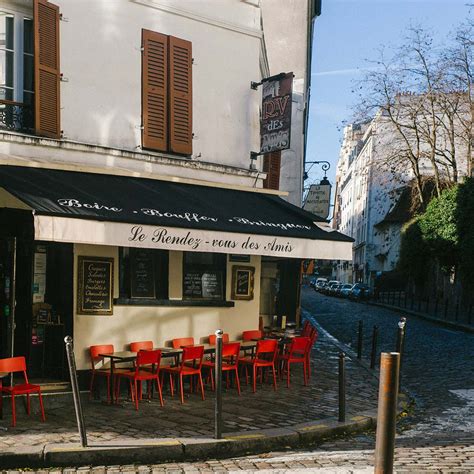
252,422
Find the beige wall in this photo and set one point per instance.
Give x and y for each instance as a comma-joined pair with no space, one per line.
159,323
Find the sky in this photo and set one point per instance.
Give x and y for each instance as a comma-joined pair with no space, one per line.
346,35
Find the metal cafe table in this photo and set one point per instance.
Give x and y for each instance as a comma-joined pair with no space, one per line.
129,356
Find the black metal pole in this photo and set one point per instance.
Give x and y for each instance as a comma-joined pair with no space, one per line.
387,412
401,341
342,387
218,377
75,390
373,354
359,339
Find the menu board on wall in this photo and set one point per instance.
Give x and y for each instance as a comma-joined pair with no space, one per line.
203,285
142,273
95,285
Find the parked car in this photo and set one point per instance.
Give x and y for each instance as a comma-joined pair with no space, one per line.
312,282
334,288
361,291
320,284
328,287
345,290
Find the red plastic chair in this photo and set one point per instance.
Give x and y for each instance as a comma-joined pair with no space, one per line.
212,339
103,371
191,364
230,362
297,353
265,356
306,330
182,341
142,373
141,346
18,364
252,335
313,337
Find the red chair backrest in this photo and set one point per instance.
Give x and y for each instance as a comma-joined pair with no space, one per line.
141,346
14,364
182,341
212,338
313,336
148,358
299,346
231,349
193,353
96,350
253,334
266,347
306,331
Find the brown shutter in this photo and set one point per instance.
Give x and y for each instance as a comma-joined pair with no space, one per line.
155,90
181,110
47,75
271,166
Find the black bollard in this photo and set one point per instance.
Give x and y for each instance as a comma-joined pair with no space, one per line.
359,339
218,377
75,391
342,387
387,412
401,341
373,354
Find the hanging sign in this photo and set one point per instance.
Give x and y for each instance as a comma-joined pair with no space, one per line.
317,200
275,122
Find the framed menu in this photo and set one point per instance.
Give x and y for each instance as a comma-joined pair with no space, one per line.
242,283
207,285
95,285
142,274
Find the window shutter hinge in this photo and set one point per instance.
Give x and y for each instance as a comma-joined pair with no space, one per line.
63,18
140,127
62,78
140,48
192,61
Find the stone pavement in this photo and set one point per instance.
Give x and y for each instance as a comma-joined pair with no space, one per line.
265,409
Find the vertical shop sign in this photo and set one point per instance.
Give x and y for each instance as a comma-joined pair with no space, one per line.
275,123
317,200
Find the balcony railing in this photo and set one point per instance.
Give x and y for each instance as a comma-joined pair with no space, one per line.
16,116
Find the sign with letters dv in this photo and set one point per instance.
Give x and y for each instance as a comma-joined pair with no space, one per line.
275,122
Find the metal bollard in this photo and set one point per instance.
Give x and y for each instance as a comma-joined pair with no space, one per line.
359,339
387,412
373,354
75,390
401,341
218,378
342,387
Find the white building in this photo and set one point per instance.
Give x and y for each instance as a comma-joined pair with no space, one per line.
125,140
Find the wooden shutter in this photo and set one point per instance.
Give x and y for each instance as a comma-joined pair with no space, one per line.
271,166
155,91
181,113
47,75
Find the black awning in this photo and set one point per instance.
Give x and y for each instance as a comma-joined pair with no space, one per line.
159,203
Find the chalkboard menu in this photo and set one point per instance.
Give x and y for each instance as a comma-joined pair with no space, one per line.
203,285
142,273
95,285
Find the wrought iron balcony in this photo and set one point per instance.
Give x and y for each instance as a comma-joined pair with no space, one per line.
16,116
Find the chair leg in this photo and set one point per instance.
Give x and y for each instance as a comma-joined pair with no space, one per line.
202,386
254,379
91,385
171,384
135,389
181,388
28,405
13,411
305,374
40,398
274,376
237,381
211,374
160,393
288,376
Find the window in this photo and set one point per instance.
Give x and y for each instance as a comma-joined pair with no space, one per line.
204,276
166,93
7,53
143,274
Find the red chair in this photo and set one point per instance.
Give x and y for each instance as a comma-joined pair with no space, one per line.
313,337
103,371
182,341
252,335
18,364
212,339
230,362
142,373
265,356
141,346
191,364
305,331
297,353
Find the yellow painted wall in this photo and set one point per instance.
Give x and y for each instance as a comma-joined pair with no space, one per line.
159,323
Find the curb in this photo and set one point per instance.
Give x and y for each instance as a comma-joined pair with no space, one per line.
184,449
427,317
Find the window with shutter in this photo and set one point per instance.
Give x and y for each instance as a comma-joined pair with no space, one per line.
46,74
271,166
155,90
180,96
166,93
